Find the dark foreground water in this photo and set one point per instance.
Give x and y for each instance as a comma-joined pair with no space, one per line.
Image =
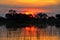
30,33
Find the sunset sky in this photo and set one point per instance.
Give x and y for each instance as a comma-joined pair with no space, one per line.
51,6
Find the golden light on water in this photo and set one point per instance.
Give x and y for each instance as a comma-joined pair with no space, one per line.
30,33
32,29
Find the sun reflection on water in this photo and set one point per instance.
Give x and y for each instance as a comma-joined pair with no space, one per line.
29,33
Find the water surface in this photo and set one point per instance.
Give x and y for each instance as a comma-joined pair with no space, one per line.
30,33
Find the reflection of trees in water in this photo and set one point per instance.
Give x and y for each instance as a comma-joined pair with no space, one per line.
29,34
19,20
16,24
26,34
14,33
58,31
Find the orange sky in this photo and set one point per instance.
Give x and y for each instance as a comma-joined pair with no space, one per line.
31,3
32,10
31,6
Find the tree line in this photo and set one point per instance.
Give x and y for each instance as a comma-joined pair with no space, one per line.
41,19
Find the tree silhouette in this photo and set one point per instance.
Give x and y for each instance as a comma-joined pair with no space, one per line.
42,15
58,16
51,18
45,16
2,18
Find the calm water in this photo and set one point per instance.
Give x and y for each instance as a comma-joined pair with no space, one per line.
30,33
